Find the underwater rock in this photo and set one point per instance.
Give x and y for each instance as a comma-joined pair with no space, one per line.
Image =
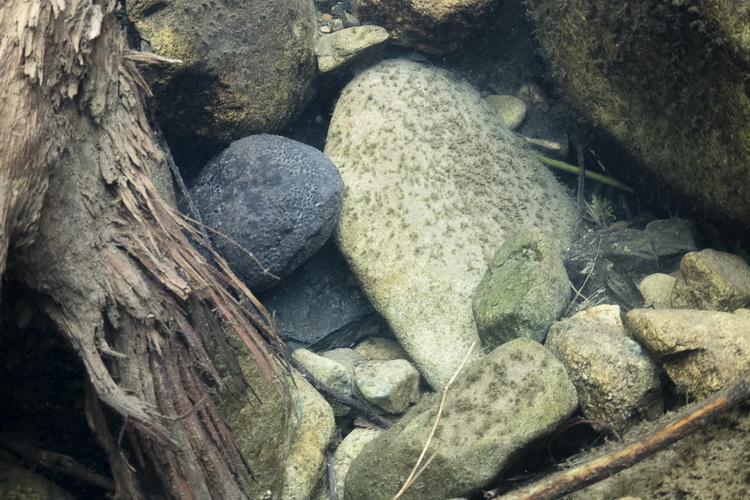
437,26
434,183
605,265
390,385
510,108
701,351
321,306
616,380
515,395
349,46
277,198
667,81
524,290
332,373
246,68
657,290
712,280
314,431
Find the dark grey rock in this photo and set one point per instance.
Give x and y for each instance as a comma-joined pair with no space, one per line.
605,266
277,198
671,239
321,305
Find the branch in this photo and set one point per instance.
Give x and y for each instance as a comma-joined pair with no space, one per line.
368,412
564,482
567,167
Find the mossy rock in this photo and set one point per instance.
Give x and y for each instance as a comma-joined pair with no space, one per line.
247,67
523,292
515,396
667,80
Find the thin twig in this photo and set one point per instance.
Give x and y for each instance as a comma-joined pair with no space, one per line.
416,471
567,167
366,411
333,487
568,481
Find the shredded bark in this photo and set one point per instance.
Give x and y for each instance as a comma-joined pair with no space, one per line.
83,226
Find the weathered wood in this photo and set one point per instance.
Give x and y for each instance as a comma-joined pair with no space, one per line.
568,481
83,227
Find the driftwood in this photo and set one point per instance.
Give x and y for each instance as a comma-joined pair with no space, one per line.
568,481
83,229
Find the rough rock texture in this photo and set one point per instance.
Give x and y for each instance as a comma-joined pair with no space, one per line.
712,280
347,357
671,239
277,198
515,395
712,463
349,46
321,305
605,265
657,290
433,184
345,454
381,349
523,292
335,375
617,381
247,66
264,427
700,350
315,428
350,359
653,75
511,109
436,26
390,385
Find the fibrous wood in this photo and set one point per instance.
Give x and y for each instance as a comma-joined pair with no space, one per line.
82,226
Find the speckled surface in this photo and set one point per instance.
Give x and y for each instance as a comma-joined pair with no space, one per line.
433,183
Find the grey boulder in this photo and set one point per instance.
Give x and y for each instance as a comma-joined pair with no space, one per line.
272,202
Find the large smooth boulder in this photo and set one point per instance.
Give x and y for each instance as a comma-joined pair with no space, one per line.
667,81
272,203
515,395
434,183
247,66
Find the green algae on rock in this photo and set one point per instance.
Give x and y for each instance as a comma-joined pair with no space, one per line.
667,80
523,292
247,67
